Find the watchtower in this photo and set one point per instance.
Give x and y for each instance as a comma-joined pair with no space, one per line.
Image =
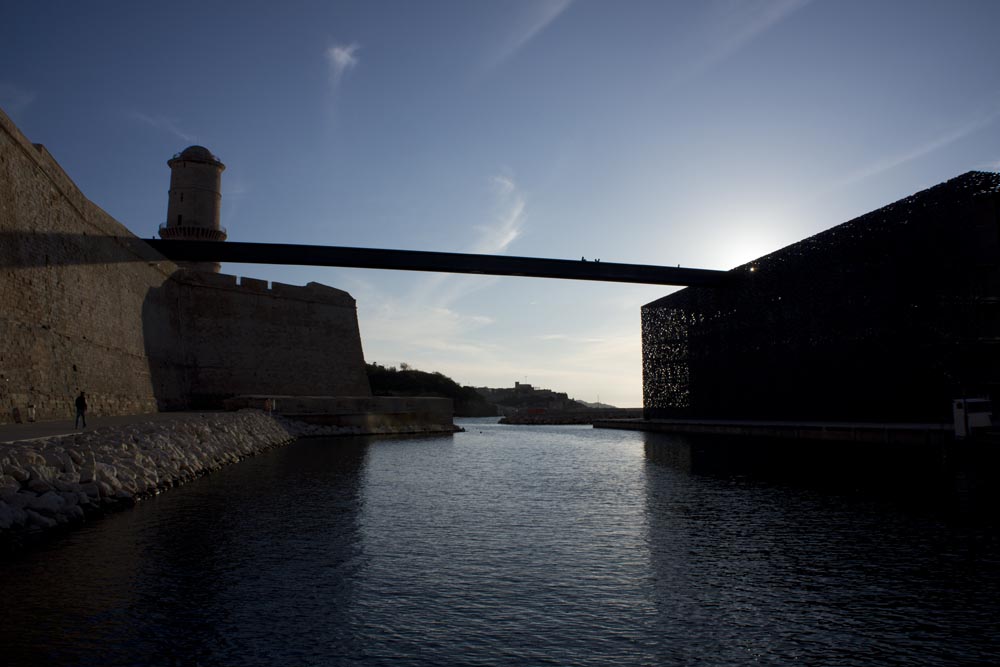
195,201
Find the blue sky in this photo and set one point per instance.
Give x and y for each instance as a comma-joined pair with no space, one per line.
695,133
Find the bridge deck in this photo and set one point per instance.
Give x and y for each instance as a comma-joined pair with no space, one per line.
443,262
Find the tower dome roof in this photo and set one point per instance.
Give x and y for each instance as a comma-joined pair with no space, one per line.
197,154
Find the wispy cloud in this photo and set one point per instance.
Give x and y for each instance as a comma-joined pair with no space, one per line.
426,320
341,58
508,218
570,338
970,126
502,228
542,15
162,123
732,25
432,325
14,100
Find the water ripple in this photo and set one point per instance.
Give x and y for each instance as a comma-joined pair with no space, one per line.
514,546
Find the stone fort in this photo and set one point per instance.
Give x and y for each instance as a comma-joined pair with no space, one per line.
87,305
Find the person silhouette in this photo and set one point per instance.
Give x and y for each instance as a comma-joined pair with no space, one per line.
81,410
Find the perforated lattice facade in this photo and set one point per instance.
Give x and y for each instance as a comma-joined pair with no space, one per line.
886,317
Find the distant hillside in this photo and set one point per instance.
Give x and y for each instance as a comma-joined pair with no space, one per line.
390,381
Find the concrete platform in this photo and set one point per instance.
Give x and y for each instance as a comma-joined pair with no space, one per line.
890,433
367,413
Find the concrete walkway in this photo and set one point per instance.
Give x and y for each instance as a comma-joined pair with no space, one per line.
899,433
48,429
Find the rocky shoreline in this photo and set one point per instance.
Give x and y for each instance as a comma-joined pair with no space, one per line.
51,483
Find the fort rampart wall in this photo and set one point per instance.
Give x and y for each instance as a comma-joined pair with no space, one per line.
78,292
87,305
246,338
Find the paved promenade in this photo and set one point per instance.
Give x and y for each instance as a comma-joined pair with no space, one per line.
48,429
898,433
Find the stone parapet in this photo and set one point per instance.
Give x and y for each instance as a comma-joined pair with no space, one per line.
312,292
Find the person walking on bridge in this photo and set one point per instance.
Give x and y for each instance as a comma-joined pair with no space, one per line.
81,410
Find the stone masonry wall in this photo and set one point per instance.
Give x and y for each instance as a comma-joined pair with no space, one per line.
78,297
251,339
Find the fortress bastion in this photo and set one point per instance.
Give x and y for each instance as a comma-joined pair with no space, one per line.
87,305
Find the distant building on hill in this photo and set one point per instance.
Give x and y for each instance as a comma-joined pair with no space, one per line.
523,396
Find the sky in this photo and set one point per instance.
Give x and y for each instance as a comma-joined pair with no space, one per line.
701,134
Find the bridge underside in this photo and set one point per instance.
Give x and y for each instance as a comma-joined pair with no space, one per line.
442,262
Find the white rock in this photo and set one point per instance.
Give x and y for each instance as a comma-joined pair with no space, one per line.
28,458
106,473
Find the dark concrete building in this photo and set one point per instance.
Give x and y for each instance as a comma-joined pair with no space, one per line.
884,318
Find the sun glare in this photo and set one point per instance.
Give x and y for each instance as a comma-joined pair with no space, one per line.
744,242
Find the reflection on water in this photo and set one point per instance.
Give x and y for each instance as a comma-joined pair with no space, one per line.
805,552
529,545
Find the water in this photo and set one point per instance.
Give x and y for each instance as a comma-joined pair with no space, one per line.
527,546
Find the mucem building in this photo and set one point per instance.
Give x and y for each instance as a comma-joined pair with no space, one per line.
884,318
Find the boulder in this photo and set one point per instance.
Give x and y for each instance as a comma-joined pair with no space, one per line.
39,485
21,499
8,486
106,473
88,473
36,519
50,503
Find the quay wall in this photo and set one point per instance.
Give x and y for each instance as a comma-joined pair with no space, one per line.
337,415
87,305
